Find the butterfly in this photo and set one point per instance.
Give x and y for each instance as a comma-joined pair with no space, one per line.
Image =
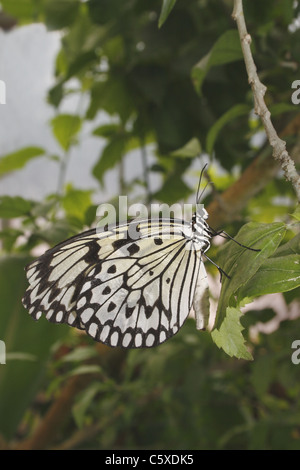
132,285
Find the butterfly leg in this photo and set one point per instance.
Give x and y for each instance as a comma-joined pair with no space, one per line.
224,234
217,266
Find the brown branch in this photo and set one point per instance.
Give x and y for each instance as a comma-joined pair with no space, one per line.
262,170
280,153
56,415
61,408
235,198
89,432
80,436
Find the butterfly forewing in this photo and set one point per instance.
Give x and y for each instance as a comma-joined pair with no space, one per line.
131,286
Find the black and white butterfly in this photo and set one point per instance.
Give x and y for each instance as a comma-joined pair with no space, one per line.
124,290
132,285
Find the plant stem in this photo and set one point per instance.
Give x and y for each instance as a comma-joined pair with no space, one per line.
279,146
146,172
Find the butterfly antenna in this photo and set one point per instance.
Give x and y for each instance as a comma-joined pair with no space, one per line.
198,197
209,182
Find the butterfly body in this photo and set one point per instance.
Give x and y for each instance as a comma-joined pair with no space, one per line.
132,285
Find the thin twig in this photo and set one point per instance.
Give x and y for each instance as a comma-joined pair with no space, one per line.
67,155
279,146
87,433
122,185
56,414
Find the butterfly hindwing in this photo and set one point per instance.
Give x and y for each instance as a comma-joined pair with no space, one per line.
141,300
56,276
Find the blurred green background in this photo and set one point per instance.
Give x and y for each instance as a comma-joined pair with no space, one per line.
152,95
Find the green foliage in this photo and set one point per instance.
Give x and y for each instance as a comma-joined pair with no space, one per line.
76,203
17,160
233,113
187,394
166,73
226,49
21,377
65,128
275,275
189,150
165,11
241,263
60,14
11,207
113,153
229,335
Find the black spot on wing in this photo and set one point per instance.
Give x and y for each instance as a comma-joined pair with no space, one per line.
106,291
54,293
112,269
133,249
111,306
117,244
92,255
129,311
148,311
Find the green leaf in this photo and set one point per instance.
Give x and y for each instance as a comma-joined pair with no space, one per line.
174,189
233,113
17,160
104,11
80,354
114,49
262,373
85,369
280,108
107,130
20,356
296,213
42,209
80,408
191,149
165,11
229,336
8,238
112,96
82,62
241,263
290,248
65,127
56,232
171,193
275,275
111,155
257,316
24,10
76,202
225,50
56,93
60,14
14,206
